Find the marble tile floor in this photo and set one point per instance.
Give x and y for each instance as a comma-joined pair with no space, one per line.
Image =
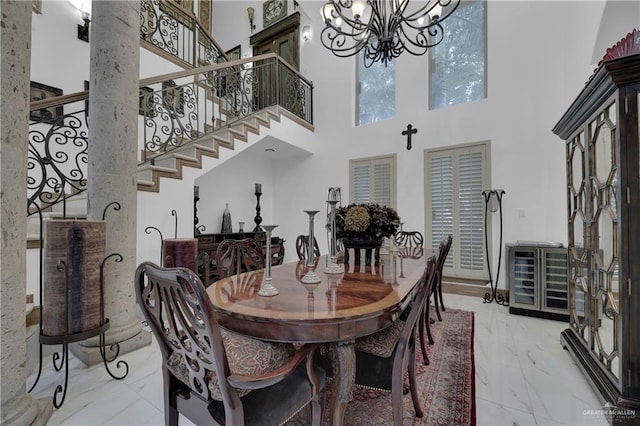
523,377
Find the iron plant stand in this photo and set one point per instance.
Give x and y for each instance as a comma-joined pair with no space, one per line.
493,294
60,360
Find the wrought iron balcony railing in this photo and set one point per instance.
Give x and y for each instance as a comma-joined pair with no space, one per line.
183,107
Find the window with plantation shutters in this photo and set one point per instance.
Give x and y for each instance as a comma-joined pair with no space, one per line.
456,178
373,180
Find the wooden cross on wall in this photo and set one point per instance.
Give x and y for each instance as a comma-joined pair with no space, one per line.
410,131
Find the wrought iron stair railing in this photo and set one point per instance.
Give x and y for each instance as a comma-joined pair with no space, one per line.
177,34
197,107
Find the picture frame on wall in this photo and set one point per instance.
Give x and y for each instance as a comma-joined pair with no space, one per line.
172,97
273,11
146,102
39,92
86,86
36,6
234,53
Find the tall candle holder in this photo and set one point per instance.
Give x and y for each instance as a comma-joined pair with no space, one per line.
196,198
310,277
333,267
267,289
258,218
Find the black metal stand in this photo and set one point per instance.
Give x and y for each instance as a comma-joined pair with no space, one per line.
61,359
493,294
197,230
258,218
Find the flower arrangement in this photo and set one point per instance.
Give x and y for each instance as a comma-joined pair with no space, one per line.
367,221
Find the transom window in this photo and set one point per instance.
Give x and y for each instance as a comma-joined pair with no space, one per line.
458,64
375,91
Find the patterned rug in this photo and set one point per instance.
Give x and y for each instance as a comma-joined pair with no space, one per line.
446,386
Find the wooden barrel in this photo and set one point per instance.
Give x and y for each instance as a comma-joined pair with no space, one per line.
73,254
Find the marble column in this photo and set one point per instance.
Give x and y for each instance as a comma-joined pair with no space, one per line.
17,407
113,142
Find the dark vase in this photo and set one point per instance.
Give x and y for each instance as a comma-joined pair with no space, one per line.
370,246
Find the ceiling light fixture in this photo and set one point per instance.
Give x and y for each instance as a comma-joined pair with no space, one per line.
383,28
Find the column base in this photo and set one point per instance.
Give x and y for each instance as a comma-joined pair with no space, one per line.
27,411
90,355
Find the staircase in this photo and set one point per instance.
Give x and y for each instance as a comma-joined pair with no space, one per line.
190,155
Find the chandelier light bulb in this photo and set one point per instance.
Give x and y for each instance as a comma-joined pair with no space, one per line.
327,11
358,8
436,12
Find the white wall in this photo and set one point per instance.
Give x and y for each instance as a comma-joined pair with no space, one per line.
539,56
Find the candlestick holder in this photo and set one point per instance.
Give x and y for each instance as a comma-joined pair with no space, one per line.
267,289
333,267
196,198
258,218
310,277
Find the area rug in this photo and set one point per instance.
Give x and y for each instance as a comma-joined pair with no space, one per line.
446,386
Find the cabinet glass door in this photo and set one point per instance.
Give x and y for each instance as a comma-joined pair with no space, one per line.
524,277
555,281
605,288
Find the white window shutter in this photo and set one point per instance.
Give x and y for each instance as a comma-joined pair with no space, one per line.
442,202
471,232
361,182
456,178
382,183
373,180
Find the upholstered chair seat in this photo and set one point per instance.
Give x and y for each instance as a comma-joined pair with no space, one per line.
246,356
383,342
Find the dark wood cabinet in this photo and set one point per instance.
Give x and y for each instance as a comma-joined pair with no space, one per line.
600,130
208,244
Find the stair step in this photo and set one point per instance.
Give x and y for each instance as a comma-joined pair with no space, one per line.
208,144
156,168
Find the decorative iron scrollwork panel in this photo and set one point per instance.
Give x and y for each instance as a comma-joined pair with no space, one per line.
56,160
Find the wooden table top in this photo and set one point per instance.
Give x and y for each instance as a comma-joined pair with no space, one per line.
341,307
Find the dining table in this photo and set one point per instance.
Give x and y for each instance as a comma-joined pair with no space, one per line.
334,311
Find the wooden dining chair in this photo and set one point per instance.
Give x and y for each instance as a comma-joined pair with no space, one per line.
302,247
425,321
445,247
409,239
212,375
236,256
383,357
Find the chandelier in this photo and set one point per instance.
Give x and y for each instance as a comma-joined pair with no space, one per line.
383,29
